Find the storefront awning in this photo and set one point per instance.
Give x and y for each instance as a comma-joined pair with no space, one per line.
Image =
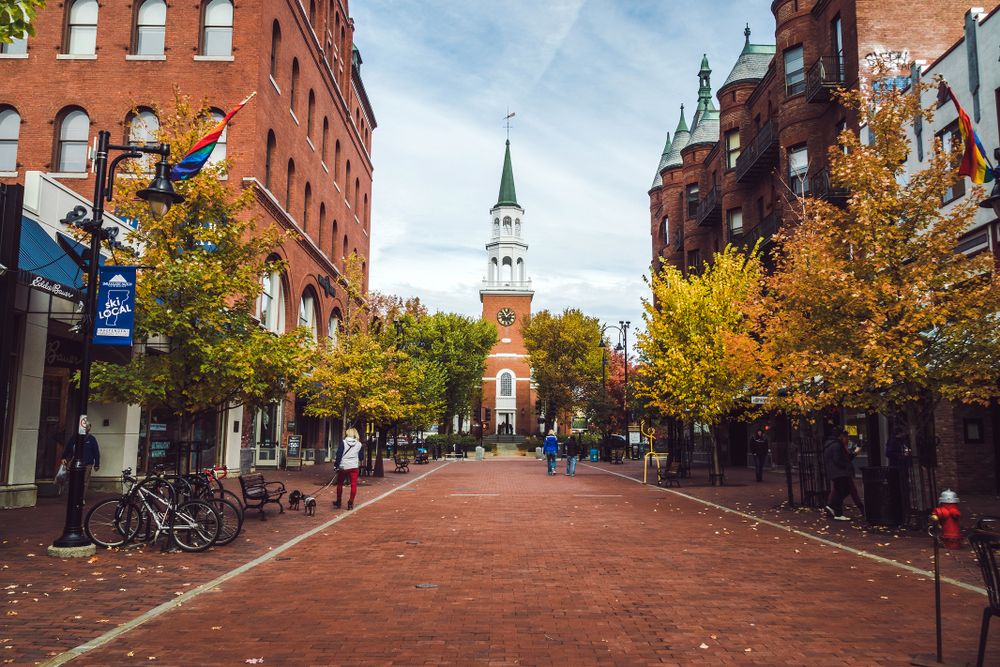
43,265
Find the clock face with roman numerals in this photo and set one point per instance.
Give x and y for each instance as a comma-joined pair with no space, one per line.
506,317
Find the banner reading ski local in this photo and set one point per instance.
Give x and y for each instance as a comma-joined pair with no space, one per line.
115,305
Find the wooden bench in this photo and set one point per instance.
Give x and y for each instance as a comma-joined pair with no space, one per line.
402,464
669,474
257,493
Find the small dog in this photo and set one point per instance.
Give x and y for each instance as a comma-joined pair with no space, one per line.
310,504
294,498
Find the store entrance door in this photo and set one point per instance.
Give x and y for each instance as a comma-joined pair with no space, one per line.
53,431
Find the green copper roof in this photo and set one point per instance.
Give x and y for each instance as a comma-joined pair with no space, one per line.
682,125
657,181
507,195
704,64
753,62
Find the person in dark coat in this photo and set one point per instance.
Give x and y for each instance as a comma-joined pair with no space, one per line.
838,459
572,455
759,448
897,448
91,456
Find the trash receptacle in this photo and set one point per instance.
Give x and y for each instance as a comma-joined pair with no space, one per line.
883,495
594,454
480,453
538,453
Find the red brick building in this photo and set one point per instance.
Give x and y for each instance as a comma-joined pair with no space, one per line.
734,175
506,295
303,145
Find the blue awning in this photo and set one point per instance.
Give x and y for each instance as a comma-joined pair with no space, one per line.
44,265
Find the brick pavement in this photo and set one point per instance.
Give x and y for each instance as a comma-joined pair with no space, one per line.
52,605
538,570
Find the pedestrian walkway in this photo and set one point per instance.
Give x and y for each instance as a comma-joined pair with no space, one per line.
490,563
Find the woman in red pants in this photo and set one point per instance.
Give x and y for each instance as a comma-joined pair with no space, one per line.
347,463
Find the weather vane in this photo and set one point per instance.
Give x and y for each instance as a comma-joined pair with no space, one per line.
510,114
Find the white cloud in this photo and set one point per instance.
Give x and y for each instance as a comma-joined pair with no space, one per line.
595,86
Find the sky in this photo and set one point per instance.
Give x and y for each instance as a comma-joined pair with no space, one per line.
595,86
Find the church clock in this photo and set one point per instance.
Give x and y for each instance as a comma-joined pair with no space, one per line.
506,317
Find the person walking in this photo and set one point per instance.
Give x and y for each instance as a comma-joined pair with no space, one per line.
550,449
91,457
897,454
347,463
572,455
759,448
838,458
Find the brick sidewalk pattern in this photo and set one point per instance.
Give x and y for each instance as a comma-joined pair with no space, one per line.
529,570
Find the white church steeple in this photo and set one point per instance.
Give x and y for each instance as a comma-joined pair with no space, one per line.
507,251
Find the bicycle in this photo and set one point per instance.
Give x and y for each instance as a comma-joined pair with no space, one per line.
193,525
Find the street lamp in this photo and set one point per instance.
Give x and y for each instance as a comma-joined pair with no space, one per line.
161,196
622,346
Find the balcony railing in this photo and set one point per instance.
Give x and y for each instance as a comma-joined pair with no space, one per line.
759,155
763,231
709,209
820,187
827,74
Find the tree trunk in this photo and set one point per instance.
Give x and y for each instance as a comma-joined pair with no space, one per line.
716,432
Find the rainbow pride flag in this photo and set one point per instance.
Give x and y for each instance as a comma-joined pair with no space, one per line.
196,158
975,165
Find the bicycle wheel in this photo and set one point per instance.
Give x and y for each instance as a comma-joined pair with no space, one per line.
232,520
112,522
195,526
231,497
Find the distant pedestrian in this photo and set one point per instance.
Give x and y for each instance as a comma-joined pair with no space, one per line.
550,450
897,448
347,463
759,448
572,455
91,457
838,458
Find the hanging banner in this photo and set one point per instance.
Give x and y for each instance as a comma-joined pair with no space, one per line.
115,305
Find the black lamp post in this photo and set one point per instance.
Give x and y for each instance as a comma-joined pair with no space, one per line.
622,346
161,196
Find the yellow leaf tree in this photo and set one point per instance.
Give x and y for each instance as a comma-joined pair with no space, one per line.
698,350
199,346
872,305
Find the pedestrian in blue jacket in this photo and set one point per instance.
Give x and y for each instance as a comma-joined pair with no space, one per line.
550,450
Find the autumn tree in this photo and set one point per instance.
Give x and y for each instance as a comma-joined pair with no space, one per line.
872,305
565,359
199,346
17,19
698,350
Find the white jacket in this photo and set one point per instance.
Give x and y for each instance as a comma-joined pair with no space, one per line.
349,454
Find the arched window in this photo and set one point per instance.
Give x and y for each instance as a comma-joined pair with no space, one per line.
275,47
365,218
307,312
312,12
494,270
81,28
217,28
310,113
269,159
336,161
506,226
293,87
506,270
506,384
219,152
271,304
307,201
289,185
142,129
322,225
517,226
150,28
357,192
324,140
347,182
345,246
74,135
10,130
333,327
333,240
520,269
17,46
496,226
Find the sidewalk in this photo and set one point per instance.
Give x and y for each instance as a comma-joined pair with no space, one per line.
768,500
53,604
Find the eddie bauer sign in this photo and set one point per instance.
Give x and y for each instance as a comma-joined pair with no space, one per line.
115,305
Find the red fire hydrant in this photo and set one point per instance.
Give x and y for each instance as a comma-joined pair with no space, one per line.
950,518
